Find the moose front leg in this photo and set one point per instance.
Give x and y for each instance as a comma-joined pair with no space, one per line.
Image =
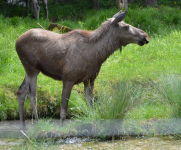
67,88
32,94
88,89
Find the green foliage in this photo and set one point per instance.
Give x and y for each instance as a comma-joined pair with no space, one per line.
169,3
9,108
12,10
153,19
3,108
15,21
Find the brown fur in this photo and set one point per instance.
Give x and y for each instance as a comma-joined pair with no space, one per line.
73,57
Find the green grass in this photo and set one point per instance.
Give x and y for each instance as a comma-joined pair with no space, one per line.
114,102
134,65
168,89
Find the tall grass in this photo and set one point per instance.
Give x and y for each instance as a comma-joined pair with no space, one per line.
115,103
162,99
110,108
168,90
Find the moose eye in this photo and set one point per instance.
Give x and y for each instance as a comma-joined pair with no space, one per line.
127,27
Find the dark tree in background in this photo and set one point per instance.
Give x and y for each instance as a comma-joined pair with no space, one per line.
95,4
149,2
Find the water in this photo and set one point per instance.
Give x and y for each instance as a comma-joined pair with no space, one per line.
141,143
10,139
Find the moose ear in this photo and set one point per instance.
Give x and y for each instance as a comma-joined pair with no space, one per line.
117,14
119,17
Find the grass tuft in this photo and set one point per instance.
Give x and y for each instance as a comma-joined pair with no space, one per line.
168,90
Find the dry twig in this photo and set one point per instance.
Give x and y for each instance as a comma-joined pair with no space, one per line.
16,33
26,136
41,26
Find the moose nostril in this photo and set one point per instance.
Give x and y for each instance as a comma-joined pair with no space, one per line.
146,41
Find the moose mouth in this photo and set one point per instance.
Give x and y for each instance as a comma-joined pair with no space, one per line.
144,41
141,43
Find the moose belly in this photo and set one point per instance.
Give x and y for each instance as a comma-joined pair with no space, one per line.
78,75
49,70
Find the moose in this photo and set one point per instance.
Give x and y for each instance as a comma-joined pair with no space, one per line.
73,57
36,8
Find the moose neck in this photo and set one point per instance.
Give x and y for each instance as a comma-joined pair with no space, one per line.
105,42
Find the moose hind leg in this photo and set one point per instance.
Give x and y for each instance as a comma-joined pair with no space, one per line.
32,90
21,94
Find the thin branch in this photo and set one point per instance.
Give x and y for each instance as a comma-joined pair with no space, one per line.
41,26
16,33
26,136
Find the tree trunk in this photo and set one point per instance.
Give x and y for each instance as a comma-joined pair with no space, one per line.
122,4
149,2
95,4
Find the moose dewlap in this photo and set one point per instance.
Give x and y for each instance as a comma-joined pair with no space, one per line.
73,57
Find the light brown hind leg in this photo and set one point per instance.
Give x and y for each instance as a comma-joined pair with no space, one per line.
21,94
